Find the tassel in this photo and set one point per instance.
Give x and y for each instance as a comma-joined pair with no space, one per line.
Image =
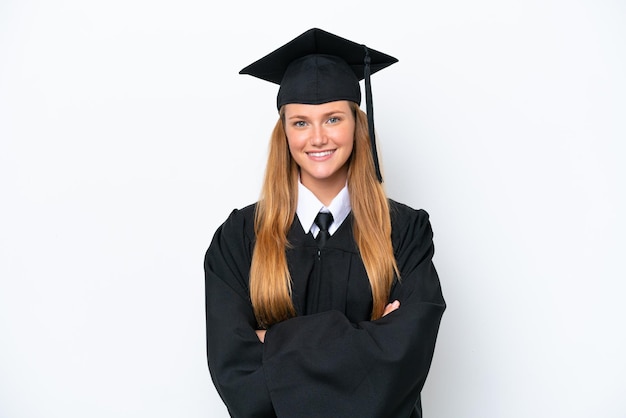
370,114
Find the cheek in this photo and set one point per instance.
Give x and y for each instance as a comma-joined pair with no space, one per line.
347,139
350,142
293,141
294,149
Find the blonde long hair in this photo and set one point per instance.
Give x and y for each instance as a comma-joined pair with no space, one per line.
270,280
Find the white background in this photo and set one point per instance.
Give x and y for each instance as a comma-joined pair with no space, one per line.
127,136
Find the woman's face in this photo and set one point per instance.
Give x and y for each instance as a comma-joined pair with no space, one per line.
321,138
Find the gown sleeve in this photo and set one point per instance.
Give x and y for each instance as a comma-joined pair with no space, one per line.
322,365
234,352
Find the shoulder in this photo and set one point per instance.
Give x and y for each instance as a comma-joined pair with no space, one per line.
229,255
403,215
233,240
409,227
245,214
239,223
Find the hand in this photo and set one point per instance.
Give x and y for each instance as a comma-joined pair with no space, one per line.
390,307
261,334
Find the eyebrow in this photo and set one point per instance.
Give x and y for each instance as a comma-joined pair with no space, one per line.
324,115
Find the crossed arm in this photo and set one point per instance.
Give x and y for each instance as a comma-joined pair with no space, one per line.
388,309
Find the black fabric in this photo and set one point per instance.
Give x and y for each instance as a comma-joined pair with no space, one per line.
317,79
296,66
323,221
331,360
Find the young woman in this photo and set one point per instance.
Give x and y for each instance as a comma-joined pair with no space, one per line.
307,318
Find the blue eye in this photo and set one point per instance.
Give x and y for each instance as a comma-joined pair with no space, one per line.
334,119
299,123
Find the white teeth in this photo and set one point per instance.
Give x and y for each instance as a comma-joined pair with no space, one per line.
320,154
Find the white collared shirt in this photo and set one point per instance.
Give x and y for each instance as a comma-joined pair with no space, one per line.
309,206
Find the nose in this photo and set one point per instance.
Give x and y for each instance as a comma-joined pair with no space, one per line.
318,136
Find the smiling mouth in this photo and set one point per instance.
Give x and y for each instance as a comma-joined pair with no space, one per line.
320,153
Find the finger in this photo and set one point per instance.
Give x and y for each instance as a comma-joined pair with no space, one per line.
391,307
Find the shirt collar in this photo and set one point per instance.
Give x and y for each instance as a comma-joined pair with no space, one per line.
309,206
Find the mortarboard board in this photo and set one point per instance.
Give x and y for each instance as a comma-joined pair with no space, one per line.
320,67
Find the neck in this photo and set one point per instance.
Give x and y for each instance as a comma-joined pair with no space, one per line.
325,189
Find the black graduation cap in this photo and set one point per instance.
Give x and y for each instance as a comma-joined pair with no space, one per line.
320,67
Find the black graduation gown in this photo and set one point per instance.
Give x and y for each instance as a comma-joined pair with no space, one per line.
331,360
